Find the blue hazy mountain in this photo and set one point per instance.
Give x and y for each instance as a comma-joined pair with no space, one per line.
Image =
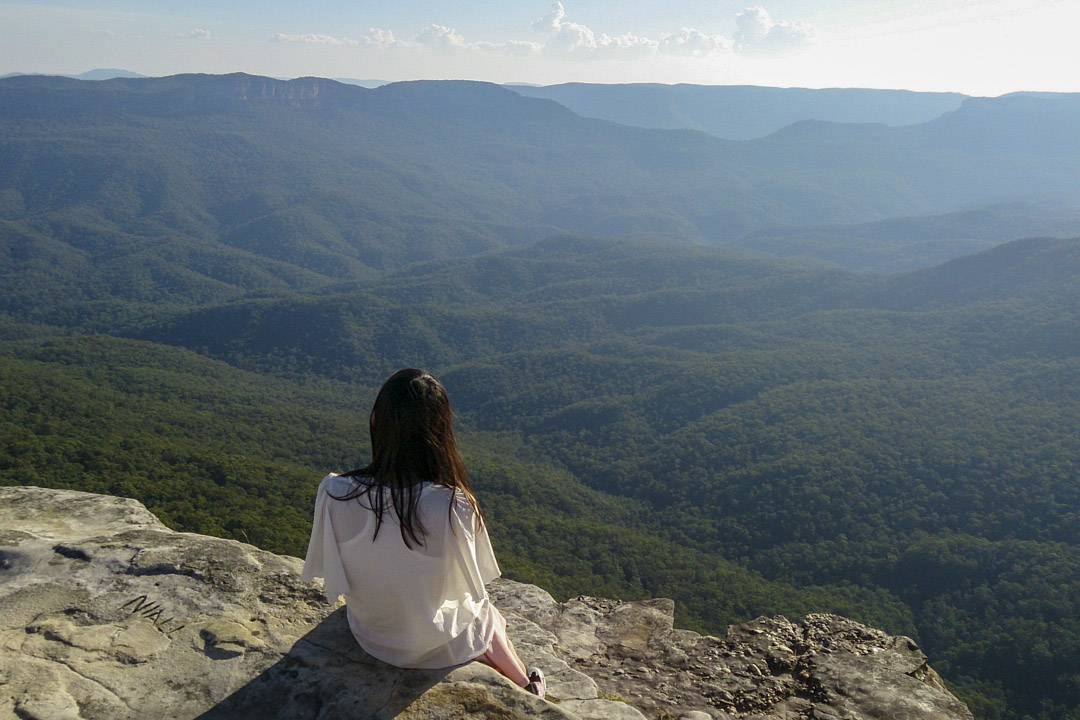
418,170
99,74
742,112
107,74
368,83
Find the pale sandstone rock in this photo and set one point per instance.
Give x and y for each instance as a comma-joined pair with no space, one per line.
601,709
107,614
767,669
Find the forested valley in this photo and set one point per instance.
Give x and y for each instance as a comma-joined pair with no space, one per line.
834,369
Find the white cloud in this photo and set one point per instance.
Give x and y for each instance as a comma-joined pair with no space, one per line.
756,32
197,34
376,37
444,38
379,37
565,39
694,43
437,37
574,40
519,48
440,36
553,23
312,39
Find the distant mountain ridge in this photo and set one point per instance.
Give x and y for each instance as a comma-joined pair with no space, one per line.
415,170
742,112
98,74
184,94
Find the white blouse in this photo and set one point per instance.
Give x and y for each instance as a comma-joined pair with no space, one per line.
420,608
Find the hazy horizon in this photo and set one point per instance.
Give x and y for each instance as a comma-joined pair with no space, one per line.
975,48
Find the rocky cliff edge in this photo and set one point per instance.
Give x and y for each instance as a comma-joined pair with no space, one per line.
107,614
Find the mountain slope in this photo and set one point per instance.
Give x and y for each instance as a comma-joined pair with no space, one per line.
910,243
741,112
339,180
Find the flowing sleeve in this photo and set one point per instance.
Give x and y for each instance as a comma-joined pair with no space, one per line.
323,555
474,548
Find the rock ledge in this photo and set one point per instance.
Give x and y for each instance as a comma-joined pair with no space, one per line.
107,614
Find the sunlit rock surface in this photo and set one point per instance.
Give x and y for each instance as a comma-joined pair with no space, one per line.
107,614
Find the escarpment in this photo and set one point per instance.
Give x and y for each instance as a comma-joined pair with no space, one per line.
106,613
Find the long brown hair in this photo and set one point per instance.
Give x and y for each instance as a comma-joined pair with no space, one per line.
412,442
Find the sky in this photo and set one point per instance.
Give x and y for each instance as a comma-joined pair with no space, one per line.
977,47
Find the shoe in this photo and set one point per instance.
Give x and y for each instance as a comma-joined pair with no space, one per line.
536,685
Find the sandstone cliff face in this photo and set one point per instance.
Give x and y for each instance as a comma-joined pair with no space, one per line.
106,613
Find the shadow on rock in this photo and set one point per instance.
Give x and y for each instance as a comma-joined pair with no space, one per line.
326,675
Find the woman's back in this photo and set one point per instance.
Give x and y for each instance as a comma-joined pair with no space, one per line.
414,591
423,606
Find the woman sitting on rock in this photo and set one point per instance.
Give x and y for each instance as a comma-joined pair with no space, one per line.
404,541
